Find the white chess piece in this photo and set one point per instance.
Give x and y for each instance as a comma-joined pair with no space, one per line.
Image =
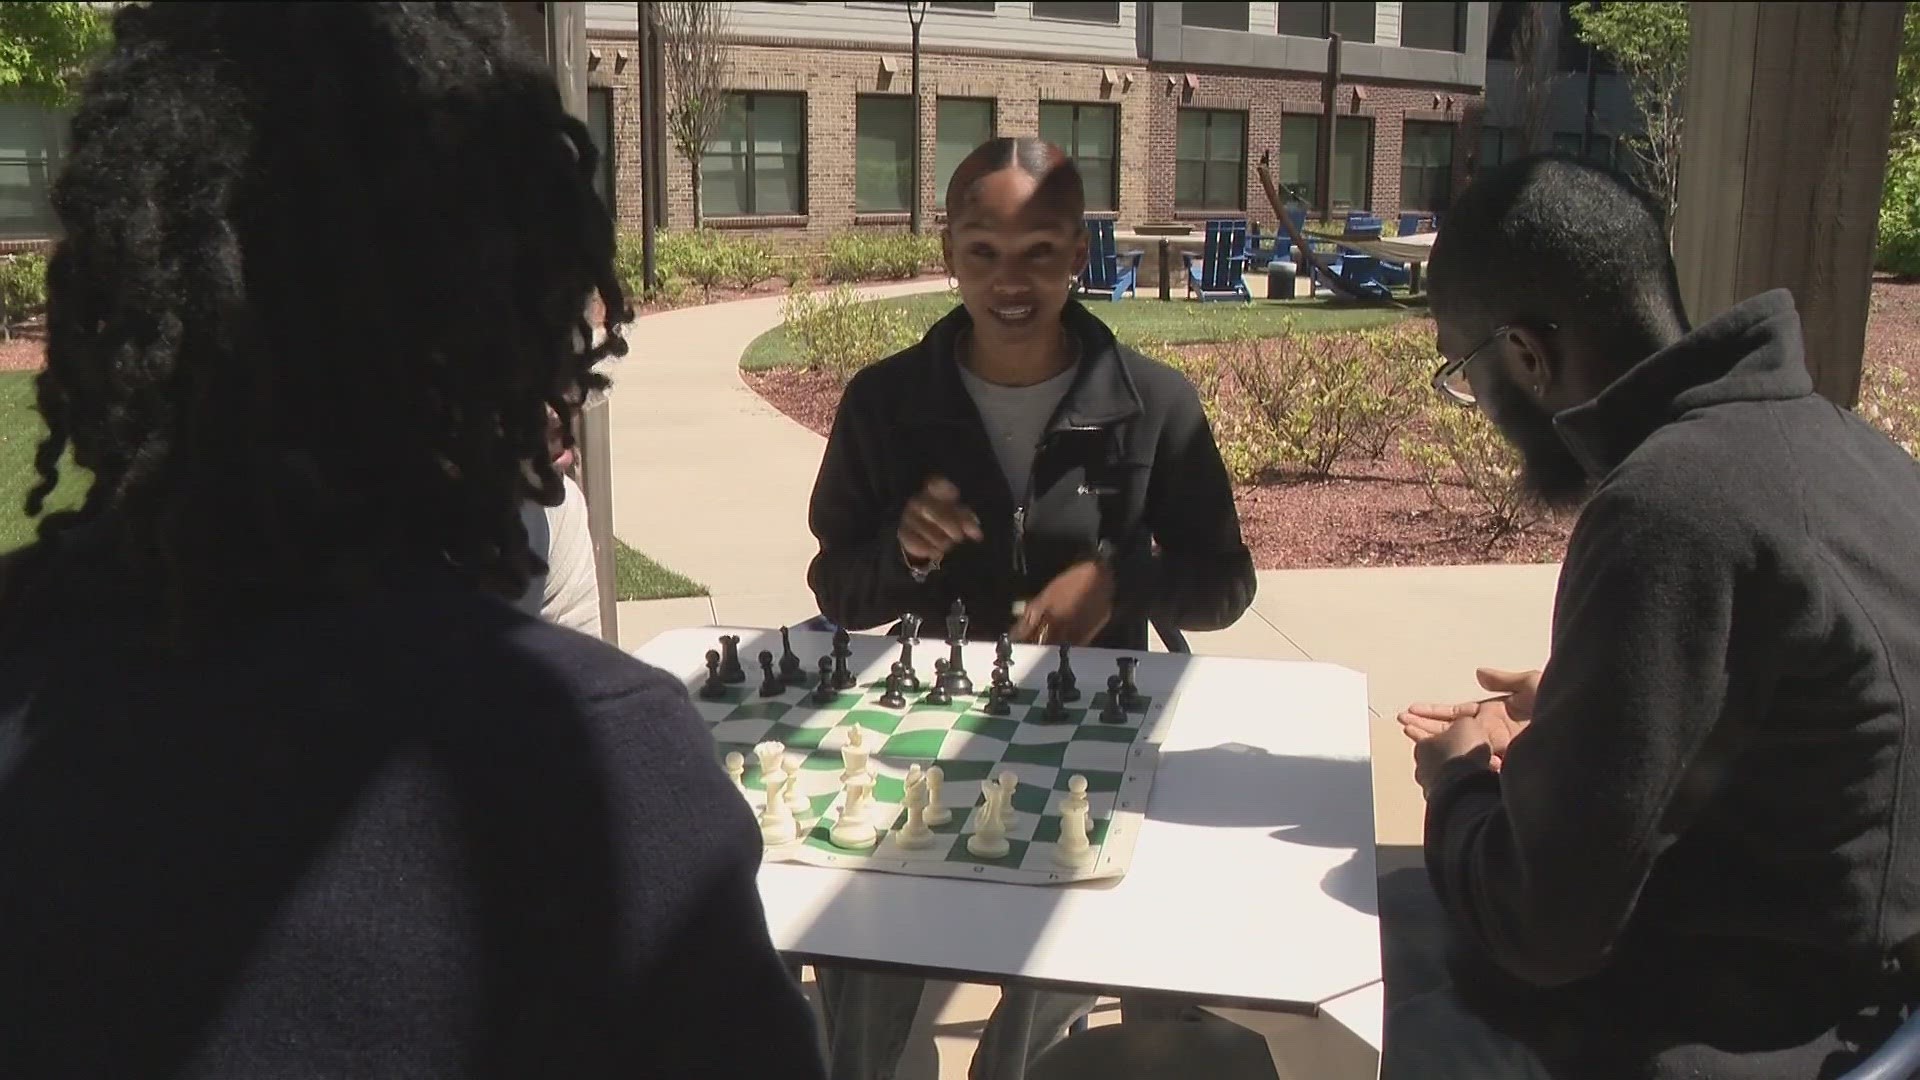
776,821
936,814
1076,792
1073,848
914,777
989,839
770,754
853,756
736,770
915,835
852,829
1009,783
797,804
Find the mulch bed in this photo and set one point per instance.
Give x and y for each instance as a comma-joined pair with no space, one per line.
1893,324
28,349
1375,514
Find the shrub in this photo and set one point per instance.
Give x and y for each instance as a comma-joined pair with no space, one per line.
1320,398
23,287
856,256
1891,402
1898,248
839,333
1461,448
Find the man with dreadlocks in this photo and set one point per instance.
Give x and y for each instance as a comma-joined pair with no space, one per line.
288,787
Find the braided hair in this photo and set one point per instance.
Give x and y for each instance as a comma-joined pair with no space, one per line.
324,269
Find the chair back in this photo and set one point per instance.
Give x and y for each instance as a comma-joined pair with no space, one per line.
1224,258
1363,227
1410,223
1103,269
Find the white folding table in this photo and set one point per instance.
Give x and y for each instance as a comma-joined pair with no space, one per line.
1252,882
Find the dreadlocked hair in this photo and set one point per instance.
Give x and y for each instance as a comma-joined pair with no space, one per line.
324,269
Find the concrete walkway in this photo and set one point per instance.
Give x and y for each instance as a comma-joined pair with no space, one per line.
713,482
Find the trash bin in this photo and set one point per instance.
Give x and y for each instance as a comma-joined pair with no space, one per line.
1279,280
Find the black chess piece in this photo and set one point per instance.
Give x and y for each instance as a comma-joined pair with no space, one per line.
957,620
938,694
1129,693
892,698
792,671
1003,651
959,683
730,669
909,636
842,650
823,691
1069,683
999,695
1112,712
1056,710
715,686
770,682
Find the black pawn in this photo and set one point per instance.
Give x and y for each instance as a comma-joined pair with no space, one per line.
1112,712
1129,693
715,686
938,695
730,669
892,698
770,684
823,691
1056,710
792,671
1069,684
842,649
999,695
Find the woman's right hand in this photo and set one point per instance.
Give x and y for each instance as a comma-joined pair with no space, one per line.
935,522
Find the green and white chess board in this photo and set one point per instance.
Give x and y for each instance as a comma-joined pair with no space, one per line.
970,747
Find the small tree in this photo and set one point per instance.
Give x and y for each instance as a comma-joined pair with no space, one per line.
693,51
1899,240
45,48
1533,74
1648,42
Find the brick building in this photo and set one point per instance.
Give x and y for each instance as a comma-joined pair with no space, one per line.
1167,107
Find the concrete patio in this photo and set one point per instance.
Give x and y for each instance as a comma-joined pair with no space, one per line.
713,482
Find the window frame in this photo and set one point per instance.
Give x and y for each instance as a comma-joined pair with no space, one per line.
1035,12
608,150
993,127
1246,23
1365,204
1111,109
1407,129
1207,160
905,100
801,159
57,124
1459,28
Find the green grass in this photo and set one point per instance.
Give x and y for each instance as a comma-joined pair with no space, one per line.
640,578
20,434
1175,322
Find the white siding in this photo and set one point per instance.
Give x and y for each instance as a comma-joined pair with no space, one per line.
1010,28
1386,24
1263,18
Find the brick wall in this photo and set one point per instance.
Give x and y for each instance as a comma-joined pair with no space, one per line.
1269,99
1149,101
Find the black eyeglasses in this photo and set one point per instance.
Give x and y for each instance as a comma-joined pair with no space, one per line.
1451,380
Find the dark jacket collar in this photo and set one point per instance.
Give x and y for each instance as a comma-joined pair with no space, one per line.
1102,393
1752,352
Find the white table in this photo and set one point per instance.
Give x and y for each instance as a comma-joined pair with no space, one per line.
1252,883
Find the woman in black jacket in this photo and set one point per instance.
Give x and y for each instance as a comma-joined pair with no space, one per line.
1018,459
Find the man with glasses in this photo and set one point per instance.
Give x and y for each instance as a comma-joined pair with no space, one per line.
1688,846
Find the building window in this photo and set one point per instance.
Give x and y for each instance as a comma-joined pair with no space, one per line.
1353,22
1438,26
1567,142
1499,146
1210,170
964,5
960,125
757,164
882,154
1353,163
1426,165
1214,16
1090,135
1095,13
32,144
1300,159
600,126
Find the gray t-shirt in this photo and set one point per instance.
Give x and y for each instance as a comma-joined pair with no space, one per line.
1016,417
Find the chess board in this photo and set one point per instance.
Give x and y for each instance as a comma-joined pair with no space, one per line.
1117,758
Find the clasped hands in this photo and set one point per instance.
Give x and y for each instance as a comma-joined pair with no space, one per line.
1071,610
1442,733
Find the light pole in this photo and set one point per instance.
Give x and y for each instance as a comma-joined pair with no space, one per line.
916,14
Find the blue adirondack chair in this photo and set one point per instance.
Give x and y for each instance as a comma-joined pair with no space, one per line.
1109,271
1222,262
1262,250
1410,223
1362,274
1364,227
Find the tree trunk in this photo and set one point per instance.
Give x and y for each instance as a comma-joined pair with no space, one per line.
699,212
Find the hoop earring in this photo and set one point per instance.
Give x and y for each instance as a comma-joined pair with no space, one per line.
951,283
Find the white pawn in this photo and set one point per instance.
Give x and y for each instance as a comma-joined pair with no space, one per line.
936,814
915,834
1009,783
1074,848
852,829
989,839
1076,792
776,821
797,804
736,770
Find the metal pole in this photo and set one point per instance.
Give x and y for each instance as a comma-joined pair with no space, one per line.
916,14
649,273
